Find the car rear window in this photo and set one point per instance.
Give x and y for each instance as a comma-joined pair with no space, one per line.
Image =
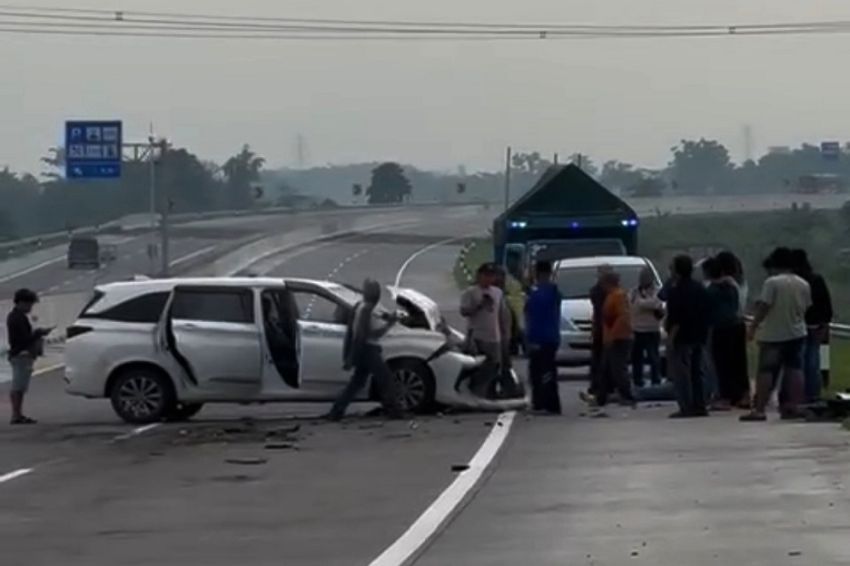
144,308
214,305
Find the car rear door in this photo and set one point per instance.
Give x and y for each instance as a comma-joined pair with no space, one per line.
213,334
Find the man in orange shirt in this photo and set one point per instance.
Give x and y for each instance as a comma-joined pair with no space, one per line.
617,341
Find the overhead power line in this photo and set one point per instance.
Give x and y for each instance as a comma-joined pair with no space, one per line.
17,19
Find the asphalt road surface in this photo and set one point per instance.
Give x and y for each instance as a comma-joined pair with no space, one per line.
632,488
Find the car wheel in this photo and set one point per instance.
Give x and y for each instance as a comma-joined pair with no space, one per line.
142,396
414,385
184,411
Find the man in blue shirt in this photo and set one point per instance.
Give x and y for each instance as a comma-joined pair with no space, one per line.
543,334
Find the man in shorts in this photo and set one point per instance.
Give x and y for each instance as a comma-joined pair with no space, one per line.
779,327
24,347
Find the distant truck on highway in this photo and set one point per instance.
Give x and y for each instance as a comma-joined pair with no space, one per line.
567,214
86,252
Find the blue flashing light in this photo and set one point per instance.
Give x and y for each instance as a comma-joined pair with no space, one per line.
574,225
518,224
624,222
633,222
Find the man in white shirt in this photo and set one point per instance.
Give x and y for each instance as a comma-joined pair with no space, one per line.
779,327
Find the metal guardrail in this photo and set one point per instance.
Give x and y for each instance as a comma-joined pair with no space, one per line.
840,330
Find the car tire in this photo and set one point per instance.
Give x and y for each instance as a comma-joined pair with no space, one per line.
142,396
183,412
414,384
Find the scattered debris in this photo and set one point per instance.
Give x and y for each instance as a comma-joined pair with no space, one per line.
246,461
635,553
398,435
413,425
795,553
460,467
370,426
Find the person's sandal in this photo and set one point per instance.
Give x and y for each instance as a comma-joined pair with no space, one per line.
22,421
753,418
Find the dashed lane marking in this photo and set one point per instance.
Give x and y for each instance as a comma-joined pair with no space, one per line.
16,474
428,526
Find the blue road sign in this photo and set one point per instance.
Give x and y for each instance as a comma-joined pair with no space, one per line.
93,149
831,151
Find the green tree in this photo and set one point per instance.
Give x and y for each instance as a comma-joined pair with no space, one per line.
531,163
242,171
619,175
701,167
389,184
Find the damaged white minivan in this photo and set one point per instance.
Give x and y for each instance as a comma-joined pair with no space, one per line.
161,349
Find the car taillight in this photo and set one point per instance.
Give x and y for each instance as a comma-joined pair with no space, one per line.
75,330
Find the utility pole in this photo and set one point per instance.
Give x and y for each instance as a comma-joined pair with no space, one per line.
152,161
508,178
555,159
166,209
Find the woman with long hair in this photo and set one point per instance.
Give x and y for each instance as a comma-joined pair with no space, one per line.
734,335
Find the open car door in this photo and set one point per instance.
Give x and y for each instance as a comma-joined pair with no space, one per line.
283,340
212,334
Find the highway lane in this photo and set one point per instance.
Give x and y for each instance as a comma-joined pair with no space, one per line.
341,497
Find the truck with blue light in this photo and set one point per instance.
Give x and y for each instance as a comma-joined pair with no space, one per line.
567,214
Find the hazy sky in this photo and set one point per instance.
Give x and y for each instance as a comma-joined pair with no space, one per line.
437,104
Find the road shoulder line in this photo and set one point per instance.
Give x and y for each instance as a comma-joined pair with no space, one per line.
409,546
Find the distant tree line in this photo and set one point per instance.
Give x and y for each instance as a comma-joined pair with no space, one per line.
30,205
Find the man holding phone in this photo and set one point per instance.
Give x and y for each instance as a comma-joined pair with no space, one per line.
25,345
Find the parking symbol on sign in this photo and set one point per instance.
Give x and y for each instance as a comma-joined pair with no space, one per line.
76,134
110,151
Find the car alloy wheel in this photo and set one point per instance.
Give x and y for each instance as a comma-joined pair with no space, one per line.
411,388
141,397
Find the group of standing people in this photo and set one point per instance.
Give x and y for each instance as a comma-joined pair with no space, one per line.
707,334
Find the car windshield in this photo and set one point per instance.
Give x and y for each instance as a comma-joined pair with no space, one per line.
575,282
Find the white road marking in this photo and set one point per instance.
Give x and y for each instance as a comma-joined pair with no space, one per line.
428,525
31,269
135,432
48,369
16,474
192,255
418,253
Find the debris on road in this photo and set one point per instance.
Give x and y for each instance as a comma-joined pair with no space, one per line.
247,461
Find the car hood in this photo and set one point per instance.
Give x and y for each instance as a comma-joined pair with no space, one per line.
429,308
576,309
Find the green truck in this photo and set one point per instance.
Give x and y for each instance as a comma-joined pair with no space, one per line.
566,214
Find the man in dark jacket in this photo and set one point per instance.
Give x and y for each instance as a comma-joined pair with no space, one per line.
24,347
543,326
687,332
362,352
818,318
